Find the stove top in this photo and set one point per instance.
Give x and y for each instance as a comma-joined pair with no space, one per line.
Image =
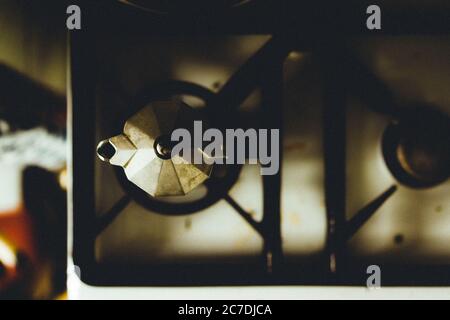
364,167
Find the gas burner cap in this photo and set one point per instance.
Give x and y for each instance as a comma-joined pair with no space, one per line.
417,148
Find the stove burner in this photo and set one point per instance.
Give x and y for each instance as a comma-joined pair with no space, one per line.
417,149
264,70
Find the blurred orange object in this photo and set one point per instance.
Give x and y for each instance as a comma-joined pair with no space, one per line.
18,249
17,227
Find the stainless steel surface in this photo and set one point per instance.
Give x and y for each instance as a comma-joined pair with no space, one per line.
418,217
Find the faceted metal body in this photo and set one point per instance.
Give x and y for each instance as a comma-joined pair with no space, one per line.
137,150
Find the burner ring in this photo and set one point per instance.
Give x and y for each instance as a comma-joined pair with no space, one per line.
222,179
417,149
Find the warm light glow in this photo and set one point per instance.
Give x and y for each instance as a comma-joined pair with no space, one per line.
7,255
62,179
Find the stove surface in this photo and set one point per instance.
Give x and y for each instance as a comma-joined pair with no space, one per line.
341,207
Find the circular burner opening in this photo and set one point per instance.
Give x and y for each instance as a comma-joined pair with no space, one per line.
417,150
